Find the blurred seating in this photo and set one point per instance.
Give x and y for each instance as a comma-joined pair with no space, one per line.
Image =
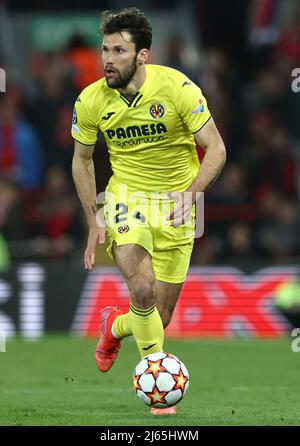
252,211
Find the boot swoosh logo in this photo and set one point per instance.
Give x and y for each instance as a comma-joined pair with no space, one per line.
148,348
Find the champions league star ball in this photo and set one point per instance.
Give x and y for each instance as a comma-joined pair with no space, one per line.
160,380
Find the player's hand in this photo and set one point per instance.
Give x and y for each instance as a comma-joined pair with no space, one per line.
182,209
96,235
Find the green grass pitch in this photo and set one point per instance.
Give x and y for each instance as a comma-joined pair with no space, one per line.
54,381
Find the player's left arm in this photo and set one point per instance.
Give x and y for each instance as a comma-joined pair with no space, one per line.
209,138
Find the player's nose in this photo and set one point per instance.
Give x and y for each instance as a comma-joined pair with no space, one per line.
109,58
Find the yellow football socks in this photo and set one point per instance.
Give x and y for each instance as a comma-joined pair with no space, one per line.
147,328
145,325
121,327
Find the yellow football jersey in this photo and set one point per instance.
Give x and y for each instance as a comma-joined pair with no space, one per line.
150,139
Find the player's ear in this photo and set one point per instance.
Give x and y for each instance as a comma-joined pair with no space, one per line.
142,56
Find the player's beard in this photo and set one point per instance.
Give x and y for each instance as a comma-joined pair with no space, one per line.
123,79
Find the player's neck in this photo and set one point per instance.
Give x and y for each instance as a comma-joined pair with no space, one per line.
135,84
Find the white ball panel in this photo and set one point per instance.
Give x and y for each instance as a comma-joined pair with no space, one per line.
160,406
173,397
141,367
155,356
141,395
184,369
147,382
187,385
173,356
165,382
171,365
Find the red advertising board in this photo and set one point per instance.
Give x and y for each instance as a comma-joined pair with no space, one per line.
214,302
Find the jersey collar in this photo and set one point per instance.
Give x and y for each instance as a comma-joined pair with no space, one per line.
133,103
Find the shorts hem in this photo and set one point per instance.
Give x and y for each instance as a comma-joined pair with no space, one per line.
128,242
170,279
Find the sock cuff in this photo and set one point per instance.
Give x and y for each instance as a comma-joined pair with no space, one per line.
114,333
142,311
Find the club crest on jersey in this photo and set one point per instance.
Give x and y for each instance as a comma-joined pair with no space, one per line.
199,108
157,111
123,229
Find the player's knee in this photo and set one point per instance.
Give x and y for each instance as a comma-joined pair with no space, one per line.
142,293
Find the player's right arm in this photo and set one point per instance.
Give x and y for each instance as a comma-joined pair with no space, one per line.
84,131
84,179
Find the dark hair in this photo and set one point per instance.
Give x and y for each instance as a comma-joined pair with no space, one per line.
131,20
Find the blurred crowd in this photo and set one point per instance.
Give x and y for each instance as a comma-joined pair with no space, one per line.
253,209
251,212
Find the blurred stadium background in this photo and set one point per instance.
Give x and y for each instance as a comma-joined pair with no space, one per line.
244,277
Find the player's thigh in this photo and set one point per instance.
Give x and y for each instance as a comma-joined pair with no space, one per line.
166,297
132,260
135,264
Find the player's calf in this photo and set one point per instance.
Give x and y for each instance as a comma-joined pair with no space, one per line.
166,316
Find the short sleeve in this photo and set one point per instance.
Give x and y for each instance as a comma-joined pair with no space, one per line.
83,129
192,106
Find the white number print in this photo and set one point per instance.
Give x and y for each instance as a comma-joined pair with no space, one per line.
2,81
296,342
296,81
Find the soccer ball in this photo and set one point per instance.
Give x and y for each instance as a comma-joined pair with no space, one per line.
160,380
